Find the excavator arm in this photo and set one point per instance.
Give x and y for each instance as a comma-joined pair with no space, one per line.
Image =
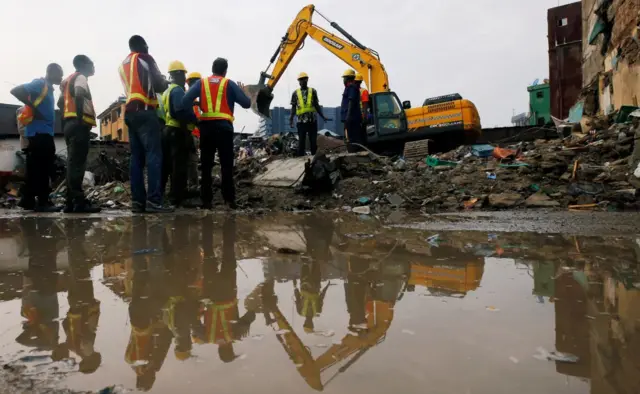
362,59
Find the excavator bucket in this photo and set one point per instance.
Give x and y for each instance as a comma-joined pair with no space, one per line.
261,98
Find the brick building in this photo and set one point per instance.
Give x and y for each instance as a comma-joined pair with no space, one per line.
565,57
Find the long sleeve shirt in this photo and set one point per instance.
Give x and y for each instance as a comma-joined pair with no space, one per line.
235,95
179,111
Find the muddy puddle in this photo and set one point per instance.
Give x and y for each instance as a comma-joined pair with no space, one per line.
304,303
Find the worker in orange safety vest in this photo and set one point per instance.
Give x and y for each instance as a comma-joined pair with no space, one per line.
217,95
222,321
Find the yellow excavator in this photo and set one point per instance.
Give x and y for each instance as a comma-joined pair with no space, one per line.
448,121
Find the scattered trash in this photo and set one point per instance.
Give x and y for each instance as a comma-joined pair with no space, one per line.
366,210
491,175
118,189
493,309
434,240
364,200
482,150
89,180
470,203
435,162
400,165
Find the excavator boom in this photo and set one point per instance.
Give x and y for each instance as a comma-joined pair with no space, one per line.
362,59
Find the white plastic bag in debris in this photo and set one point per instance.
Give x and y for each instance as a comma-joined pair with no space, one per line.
89,180
8,159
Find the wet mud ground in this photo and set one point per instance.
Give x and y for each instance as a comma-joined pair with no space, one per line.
320,302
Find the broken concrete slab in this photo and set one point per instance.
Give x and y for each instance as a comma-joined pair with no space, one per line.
504,200
540,200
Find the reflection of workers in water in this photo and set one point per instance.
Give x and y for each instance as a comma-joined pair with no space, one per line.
181,309
318,233
222,322
40,308
356,289
81,322
150,338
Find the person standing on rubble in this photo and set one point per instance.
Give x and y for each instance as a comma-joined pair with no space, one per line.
217,96
350,112
304,105
142,80
176,140
364,103
38,117
79,117
192,78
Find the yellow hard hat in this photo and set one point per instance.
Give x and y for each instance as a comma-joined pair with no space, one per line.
349,73
182,355
177,65
302,75
359,77
194,75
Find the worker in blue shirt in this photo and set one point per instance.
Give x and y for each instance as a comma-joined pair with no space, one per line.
176,144
217,95
350,112
38,96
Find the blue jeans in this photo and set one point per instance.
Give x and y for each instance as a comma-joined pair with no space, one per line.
145,142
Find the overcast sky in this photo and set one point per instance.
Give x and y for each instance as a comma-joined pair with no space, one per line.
487,50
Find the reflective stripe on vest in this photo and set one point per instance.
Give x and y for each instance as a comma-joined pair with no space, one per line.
221,109
131,81
70,102
25,115
303,107
166,105
219,309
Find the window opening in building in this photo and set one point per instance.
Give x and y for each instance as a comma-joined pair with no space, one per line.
563,22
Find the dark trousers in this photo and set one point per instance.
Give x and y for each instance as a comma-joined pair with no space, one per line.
355,134
216,136
145,143
176,148
77,136
304,130
40,161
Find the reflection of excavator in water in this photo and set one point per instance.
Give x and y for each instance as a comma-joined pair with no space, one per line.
368,306
371,292
447,120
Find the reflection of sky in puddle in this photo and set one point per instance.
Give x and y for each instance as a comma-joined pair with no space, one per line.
202,304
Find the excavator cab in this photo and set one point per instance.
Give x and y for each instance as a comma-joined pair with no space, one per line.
389,118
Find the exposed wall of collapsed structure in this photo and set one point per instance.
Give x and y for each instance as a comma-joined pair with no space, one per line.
611,54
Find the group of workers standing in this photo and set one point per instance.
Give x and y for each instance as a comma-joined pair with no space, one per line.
166,124
354,112
162,119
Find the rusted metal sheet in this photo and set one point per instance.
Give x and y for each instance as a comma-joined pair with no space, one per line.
565,57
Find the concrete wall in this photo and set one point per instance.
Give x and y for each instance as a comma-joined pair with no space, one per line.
565,57
617,73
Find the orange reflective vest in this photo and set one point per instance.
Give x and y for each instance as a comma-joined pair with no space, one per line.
364,101
139,346
131,81
70,110
216,322
213,99
25,113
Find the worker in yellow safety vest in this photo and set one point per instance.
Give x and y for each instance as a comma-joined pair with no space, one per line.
304,106
176,139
